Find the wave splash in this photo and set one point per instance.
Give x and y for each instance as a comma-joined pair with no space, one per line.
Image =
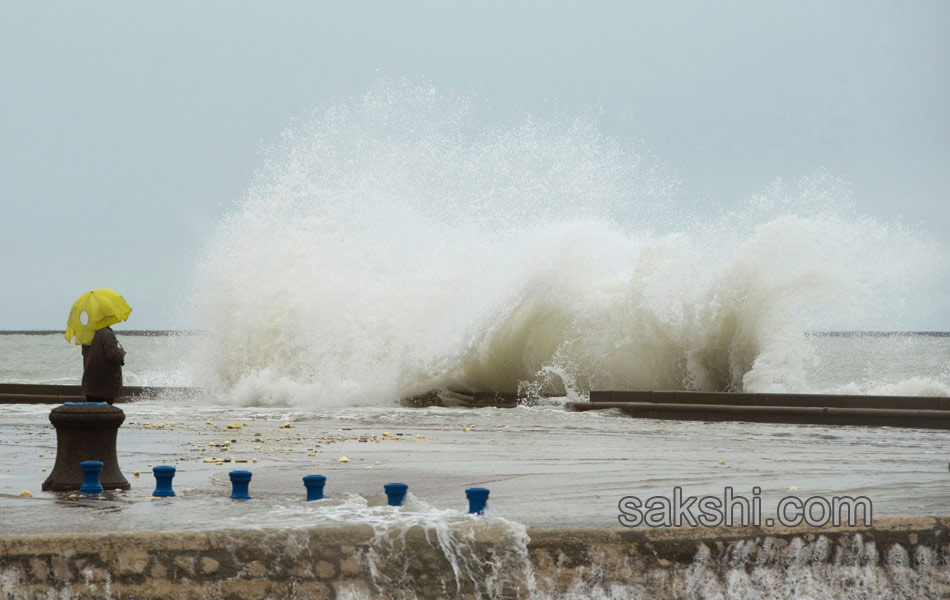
395,244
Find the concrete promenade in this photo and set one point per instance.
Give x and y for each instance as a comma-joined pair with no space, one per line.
556,481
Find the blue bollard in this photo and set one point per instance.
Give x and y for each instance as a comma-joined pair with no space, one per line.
477,500
239,483
395,493
163,481
314,485
90,477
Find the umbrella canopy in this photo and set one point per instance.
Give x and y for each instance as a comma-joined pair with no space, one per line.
93,311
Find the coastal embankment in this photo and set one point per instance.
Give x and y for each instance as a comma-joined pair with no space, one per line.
924,412
483,558
26,393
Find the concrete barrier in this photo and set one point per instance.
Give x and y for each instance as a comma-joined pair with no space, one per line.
755,399
818,409
902,557
27,393
24,393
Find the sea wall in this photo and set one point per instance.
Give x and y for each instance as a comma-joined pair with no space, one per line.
922,412
29,393
483,558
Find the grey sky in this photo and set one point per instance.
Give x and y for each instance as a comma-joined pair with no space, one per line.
128,129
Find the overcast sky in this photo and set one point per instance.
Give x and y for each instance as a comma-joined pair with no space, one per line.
127,130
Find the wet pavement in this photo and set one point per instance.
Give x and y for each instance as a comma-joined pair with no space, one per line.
545,467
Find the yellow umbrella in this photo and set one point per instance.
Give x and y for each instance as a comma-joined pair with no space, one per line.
93,311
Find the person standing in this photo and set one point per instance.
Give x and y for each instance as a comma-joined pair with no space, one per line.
102,367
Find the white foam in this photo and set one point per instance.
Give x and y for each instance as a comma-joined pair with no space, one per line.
915,386
396,244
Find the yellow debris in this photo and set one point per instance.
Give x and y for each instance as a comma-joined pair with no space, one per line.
257,447
255,460
235,426
386,434
378,463
368,467
209,422
343,459
241,460
135,473
26,494
209,460
793,488
722,462
286,425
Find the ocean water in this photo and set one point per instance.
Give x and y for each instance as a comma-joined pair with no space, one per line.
904,364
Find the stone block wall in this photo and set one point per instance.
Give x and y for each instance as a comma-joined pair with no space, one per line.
897,557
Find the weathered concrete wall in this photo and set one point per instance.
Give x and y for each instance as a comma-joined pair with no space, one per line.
898,557
902,557
823,409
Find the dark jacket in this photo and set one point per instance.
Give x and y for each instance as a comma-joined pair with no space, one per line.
102,366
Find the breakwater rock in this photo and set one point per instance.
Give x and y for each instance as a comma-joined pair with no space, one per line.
484,558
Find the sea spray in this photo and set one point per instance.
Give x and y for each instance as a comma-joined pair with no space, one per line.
420,551
497,569
407,241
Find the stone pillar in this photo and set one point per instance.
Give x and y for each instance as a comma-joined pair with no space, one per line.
85,431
